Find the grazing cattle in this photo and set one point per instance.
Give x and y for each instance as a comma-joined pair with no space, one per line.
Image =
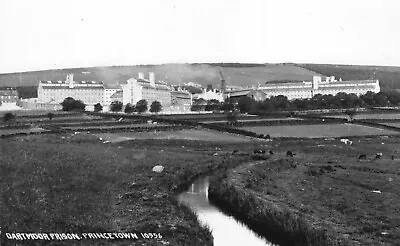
346,141
235,151
378,155
290,153
392,157
271,152
259,151
362,157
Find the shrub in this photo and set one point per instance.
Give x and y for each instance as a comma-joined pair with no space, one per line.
70,104
98,107
7,117
50,116
155,107
141,106
116,106
129,108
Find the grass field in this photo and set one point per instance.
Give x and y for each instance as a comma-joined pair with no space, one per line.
383,116
391,124
325,185
318,131
76,183
254,120
27,130
35,112
190,134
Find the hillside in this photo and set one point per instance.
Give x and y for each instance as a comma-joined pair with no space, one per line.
389,77
204,74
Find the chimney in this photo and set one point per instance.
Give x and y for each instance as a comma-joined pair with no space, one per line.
152,79
141,76
70,80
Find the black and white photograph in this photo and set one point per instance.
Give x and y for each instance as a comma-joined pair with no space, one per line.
199,122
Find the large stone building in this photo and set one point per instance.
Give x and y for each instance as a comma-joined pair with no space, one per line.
235,96
181,100
209,95
8,95
54,92
149,89
300,90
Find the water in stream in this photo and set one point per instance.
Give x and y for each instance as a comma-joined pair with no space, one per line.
225,229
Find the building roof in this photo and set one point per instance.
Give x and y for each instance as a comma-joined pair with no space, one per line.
181,94
112,86
74,88
242,92
117,94
8,93
52,82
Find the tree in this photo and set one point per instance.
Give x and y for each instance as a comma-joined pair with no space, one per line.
155,107
116,106
50,116
393,97
368,98
70,104
212,105
7,117
141,106
98,107
227,106
129,108
245,104
381,99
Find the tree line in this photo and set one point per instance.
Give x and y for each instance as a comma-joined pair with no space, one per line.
70,104
341,100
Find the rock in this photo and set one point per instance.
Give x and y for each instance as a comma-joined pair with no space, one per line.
158,169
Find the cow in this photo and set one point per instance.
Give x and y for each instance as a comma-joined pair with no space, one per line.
271,152
290,153
378,155
259,151
235,151
362,157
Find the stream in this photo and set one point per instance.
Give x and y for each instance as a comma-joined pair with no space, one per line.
226,230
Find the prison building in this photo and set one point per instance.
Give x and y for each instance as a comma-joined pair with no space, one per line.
235,96
89,92
8,95
149,89
307,89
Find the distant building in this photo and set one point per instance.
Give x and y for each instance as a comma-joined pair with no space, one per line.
54,92
181,100
149,89
209,95
8,95
301,90
110,90
117,96
235,96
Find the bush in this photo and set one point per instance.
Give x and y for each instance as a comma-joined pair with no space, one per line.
7,117
50,116
98,107
116,106
155,107
129,108
70,104
141,106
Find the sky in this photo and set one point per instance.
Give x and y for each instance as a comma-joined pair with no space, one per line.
50,34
